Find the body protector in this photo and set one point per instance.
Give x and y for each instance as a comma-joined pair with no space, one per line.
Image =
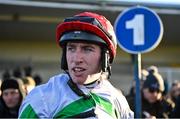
88,27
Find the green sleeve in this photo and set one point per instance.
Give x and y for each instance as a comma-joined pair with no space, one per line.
28,112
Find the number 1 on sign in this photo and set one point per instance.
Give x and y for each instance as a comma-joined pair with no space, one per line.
137,24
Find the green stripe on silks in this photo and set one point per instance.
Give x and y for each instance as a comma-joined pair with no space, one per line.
75,108
28,112
105,105
83,105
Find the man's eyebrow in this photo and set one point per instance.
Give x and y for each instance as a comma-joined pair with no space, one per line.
89,46
70,44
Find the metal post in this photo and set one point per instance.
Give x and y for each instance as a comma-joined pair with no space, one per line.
137,74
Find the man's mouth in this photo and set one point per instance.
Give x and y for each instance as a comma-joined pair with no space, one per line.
78,69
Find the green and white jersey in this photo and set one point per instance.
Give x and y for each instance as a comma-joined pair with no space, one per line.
56,99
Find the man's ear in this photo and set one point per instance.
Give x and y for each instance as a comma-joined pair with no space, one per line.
64,65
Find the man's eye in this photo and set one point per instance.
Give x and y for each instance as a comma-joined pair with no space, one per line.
88,49
70,49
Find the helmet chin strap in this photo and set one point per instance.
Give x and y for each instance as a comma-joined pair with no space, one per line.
106,66
92,78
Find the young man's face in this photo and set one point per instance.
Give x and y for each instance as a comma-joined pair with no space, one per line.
83,60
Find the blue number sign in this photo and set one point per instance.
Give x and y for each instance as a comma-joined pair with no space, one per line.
138,30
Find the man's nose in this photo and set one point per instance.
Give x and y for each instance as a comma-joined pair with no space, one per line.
78,56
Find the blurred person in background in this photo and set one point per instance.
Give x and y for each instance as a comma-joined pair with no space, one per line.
28,80
11,98
83,90
29,84
28,70
176,113
174,94
17,73
166,84
6,74
174,91
38,79
154,104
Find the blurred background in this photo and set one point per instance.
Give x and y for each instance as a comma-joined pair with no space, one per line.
27,36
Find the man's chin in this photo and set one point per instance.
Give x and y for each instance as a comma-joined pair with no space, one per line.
78,81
